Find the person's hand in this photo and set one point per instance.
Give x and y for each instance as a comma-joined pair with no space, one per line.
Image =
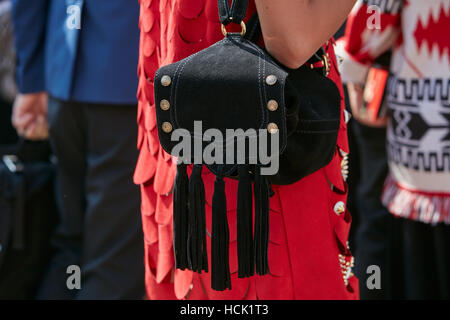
29,115
356,96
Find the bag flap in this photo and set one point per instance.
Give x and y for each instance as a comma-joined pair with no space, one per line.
226,86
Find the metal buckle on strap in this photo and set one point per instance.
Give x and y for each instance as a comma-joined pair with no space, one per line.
243,29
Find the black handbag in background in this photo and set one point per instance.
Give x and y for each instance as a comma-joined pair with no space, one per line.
27,217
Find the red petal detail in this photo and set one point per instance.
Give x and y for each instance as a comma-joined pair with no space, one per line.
181,48
171,31
164,265
151,253
141,134
159,291
150,118
162,5
139,69
165,237
191,9
148,91
145,167
167,156
182,283
192,31
147,22
164,211
150,67
150,229
141,105
149,198
146,3
153,141
149,46
164,177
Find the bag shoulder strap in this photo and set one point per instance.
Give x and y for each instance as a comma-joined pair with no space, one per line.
235,14
254,31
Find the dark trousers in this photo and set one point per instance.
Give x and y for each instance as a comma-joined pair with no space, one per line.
378,234
8,134
426,260
413,257
100,226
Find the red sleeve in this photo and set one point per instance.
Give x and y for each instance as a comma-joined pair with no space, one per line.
371,30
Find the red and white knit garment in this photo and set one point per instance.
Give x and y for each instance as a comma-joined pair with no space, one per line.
418,136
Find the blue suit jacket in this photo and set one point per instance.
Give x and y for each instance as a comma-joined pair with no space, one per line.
79,50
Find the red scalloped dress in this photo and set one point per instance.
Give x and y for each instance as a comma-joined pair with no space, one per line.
308,253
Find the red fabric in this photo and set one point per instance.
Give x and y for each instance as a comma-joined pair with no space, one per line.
306,235
427,207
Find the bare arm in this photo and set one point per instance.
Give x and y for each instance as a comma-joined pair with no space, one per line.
294,29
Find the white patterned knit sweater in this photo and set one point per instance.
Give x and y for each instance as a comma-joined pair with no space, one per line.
418,137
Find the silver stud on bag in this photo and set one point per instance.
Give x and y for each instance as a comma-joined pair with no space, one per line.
271,80
164,104
167,127
272,105
166,81
272,128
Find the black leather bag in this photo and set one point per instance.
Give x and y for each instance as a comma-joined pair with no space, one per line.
235,84
27,217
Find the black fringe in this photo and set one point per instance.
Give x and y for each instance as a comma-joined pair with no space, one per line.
220,266
246,266
197,248
180,217
262,190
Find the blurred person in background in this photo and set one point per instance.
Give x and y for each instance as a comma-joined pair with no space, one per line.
7,84
417,189
81,57
375,235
